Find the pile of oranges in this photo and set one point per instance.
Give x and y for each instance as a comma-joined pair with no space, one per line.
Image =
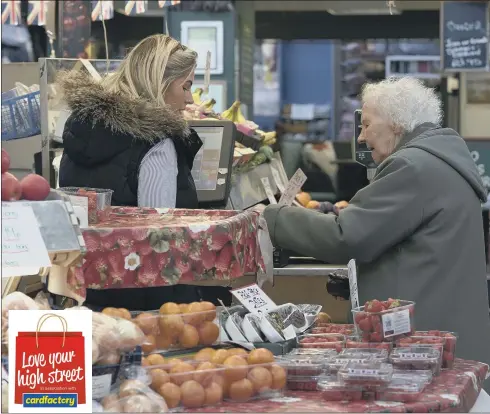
175,325
214,375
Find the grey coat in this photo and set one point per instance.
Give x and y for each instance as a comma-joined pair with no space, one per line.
416,232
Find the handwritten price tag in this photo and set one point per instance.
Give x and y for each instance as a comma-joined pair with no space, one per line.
293,187
278,180
268,190
22,244
254,299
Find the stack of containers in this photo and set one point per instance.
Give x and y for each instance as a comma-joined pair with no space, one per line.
384,358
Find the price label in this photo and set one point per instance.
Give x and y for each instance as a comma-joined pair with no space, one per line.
254,299
22,244
396,323
268,190
413,355
363,372
356,360
101,386
277,179
354,294
293,187
207,74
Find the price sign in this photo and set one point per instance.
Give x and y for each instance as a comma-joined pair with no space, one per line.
277,180
413,356
464,35
268,190
354,294
254,299
22,244
293,187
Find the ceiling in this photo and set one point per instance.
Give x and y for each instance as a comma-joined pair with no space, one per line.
342,6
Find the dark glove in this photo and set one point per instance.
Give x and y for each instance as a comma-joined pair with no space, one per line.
338,285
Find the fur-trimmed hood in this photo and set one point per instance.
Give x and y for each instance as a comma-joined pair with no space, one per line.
91,103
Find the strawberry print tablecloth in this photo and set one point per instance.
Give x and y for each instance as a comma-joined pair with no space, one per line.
142,247
454,391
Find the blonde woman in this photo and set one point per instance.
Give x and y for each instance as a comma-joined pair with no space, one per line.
127,133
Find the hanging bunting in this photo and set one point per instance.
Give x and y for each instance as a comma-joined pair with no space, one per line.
36,13
102,10
11,12
135,7
168,3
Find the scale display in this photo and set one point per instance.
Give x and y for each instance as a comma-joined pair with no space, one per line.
362,154
206,163
213,163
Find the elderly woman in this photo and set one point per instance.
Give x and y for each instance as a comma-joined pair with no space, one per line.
416,230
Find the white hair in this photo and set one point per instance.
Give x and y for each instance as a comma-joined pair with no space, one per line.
405,101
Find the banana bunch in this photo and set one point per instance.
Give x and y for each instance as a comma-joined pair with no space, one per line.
196,96
207,106
266,138
232,113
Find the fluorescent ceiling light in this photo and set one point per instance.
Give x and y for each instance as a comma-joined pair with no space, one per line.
361,12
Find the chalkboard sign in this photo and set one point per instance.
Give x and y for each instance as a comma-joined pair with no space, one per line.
480,152
464,35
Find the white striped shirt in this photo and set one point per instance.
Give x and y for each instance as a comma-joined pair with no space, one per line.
157,180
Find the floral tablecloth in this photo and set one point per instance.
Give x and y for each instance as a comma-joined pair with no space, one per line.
454,390
142,247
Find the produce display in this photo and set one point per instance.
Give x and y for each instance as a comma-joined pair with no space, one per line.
174,326
32,187
370,375
332,390
389,320
215,375
354,341
449,345
402,390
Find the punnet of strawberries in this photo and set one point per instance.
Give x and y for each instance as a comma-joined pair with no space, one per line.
344,329
326,341
450,339
388,320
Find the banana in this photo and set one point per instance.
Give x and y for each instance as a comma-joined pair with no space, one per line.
208,105
196,96
240,119
230,113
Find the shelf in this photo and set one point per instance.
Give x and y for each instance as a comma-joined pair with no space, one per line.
416,75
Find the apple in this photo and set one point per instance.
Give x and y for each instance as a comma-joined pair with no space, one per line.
34,187
5,161
11,190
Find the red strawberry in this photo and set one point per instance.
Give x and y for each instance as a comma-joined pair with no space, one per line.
208,258
92,241
144,248
139,233
366,337
365,325
359,317
217,241
376,337
378,327
375,306
224,258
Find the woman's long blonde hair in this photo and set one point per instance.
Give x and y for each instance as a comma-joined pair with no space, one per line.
150,67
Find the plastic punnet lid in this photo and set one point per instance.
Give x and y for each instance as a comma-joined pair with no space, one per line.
333,384
302,360
405,385
415,353
367,371
423,375
324,352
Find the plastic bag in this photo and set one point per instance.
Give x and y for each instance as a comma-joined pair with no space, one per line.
134,396
20,301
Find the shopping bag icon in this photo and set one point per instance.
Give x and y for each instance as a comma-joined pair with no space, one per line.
50,365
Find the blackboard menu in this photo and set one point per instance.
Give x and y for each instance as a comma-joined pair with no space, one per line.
480,152
464,35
